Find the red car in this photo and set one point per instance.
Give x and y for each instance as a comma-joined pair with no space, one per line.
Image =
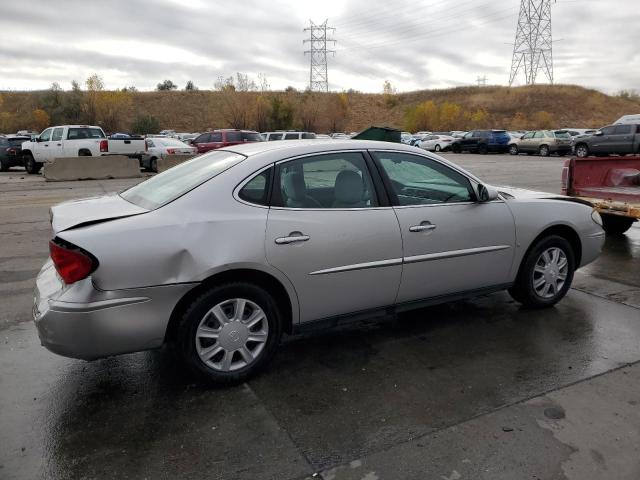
223,138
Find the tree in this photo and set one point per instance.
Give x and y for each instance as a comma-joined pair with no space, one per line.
389,94
166,85
519,121
236,105
449,116
111,108
145,124
281,113
190,87
308,111
337,111
40,119
94,85
72,104
422,117
479,118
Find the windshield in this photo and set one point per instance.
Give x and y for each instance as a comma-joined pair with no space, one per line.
175,182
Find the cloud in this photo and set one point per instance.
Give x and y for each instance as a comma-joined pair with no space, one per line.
425,44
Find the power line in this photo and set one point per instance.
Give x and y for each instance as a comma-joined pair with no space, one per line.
318,74
532,49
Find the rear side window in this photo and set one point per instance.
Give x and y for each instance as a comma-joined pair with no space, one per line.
291,136
234,137
215,137
175,182
622,129
256,190
84,132
538,135
308,136
562,134
275,136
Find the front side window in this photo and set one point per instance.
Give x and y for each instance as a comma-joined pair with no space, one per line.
46,135
337,180
622,130
204,138
251,137
256,190
527,135
607,130
538,135
234,137
417,180
175,182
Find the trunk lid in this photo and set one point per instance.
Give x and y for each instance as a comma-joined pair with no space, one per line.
86,211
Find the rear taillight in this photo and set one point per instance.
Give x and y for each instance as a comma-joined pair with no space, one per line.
71,262
565,179
146,147
171,151
104,145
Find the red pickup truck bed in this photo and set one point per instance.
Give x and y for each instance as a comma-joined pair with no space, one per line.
611,184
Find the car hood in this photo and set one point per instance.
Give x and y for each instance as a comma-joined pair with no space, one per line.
87,211
509,193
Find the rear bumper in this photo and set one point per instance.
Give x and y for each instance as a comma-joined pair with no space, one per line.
80,321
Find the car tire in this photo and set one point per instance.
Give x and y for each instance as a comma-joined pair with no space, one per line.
438,149
233,356
153,165
84,153
482,149
513,150
455,148
615,224
30,165
544,278
4,166
582,150
543,151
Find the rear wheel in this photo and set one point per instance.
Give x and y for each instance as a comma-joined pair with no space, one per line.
545,274
455,148
543,151
615,224
513,149
153,165
230,332
31,166
4,165
582,150
84,153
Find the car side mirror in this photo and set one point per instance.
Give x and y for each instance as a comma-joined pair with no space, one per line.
38,139
486,193
598,134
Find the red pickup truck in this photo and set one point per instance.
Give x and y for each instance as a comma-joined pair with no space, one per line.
611,184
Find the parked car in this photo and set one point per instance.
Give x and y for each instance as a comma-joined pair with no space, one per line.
406,138
613,139
612,185
483,142
186,137
156,148
223,138
11,151
76,141
230,249
458,133
542,142
579,132
437,143
168,133
628,119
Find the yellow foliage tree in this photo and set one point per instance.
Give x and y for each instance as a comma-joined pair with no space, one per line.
422,117
479,118
519,121
40,119
111,109
542,119
449,116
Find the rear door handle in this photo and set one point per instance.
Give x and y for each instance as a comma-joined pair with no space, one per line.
292,238
423,227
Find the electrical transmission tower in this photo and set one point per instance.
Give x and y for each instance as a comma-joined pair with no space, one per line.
482,81
318,78
532,50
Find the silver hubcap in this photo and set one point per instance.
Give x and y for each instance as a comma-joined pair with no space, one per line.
232,335
582,152
550,272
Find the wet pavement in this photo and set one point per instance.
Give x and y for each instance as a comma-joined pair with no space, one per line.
472,389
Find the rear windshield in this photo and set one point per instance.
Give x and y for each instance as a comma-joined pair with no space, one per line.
172,142
84,132
562,134
252,137
175,182
17,142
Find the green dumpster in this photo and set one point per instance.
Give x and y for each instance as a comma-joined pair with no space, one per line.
384,134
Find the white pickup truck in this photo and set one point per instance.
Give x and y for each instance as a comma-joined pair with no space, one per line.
76,141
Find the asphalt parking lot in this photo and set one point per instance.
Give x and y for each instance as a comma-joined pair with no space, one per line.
475,389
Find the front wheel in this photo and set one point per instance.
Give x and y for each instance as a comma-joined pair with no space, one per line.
31,166
153,165
438,148
513,149
455,148
615,224
230,332
545,274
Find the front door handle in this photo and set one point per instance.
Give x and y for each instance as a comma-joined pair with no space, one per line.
292,238
423,227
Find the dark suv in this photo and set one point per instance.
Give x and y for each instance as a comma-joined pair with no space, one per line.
482,141
620,139
223,138
11,152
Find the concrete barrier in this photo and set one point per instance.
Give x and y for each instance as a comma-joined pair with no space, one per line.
171,161
91,168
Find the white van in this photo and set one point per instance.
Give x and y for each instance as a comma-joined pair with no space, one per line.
626,119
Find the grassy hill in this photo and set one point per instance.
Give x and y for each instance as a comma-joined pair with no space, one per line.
529,107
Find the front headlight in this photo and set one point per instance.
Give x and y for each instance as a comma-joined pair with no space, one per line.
595,216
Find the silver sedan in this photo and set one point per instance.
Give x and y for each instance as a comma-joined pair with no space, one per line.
222,254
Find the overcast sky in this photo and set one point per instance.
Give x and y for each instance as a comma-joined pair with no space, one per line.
415,45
